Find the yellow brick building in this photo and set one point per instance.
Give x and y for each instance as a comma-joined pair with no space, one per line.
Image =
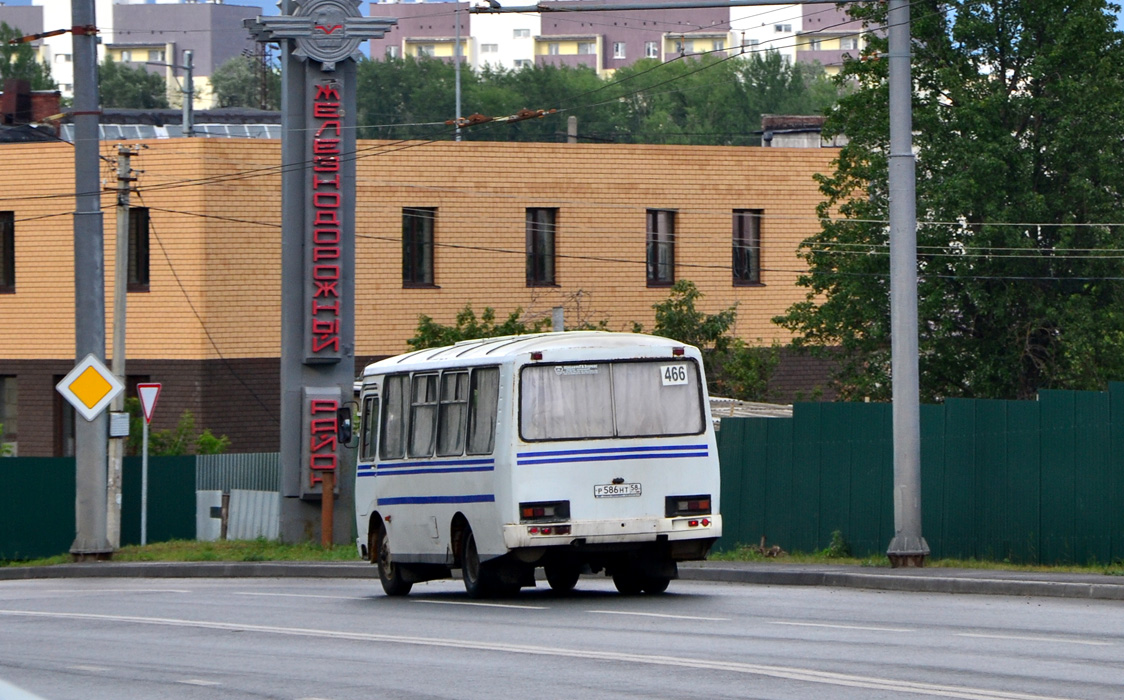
207,322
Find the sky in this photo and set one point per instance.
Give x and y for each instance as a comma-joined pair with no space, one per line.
269,7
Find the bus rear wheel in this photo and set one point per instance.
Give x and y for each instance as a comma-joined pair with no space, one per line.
390,574
482,579
562,577
628,582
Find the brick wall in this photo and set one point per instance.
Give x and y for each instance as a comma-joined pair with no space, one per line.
211,315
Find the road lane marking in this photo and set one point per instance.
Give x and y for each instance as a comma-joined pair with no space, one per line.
670,617
78,591
94,669
807,675
1048,640
839,627
196,681
301,595
479,605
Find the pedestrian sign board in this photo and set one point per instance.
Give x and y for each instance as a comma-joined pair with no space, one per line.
148,393
89,387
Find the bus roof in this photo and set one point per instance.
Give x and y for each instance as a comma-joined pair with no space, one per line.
498,350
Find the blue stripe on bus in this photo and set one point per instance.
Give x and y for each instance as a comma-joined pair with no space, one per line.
612,458
443,470
414,500
610,450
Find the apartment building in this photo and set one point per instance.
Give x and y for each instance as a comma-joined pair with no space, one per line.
153,36
599,230
606,41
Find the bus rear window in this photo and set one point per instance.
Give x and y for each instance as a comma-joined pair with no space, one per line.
610,399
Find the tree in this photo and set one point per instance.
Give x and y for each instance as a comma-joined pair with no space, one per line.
716,100
240,82
430,334
17,61
733,368
1019,183
184,439
130,88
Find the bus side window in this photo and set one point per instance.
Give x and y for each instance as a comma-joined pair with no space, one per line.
452,414
393,429
423,415
482,410
367,445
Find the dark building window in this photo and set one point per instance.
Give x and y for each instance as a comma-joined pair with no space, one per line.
9,405
747,246
661,247
7,252
540,246
417,247
138,249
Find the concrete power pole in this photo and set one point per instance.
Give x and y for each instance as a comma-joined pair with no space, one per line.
120,293
908,548
90,541
188,93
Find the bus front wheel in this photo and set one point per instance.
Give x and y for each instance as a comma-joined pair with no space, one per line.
390,574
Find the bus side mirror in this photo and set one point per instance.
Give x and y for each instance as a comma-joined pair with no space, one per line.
345,422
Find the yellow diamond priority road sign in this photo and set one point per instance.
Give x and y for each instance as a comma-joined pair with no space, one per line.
90,387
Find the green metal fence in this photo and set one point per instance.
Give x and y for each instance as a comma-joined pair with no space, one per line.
1029,481
37,510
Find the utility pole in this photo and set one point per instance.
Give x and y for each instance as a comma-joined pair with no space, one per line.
120,291
188,94
457,70
908,548
90,448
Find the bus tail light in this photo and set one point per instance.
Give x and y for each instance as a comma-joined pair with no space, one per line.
675,506
544,511
549,530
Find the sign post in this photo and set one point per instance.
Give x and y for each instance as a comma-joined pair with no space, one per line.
320,41
148,393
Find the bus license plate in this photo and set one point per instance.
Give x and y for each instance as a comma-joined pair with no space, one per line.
615,490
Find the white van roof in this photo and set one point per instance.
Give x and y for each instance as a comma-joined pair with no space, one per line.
497,350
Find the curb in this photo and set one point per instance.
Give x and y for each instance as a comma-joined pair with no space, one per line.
943,581
913,582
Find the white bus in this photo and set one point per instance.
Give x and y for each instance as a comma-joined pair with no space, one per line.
579,452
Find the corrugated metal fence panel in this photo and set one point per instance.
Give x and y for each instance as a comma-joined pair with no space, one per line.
1093,504
870,428
730,445
1116,473
991,480
960,534
777,501
1058,475
1023,490
37,507
835,469
741,456
254,514
253,472
932,477
171,499
807,463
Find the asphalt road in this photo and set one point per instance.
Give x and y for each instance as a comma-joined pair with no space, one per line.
300,639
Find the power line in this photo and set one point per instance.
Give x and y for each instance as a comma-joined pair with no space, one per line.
206,331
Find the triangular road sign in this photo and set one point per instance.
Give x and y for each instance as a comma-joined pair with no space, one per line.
148,393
